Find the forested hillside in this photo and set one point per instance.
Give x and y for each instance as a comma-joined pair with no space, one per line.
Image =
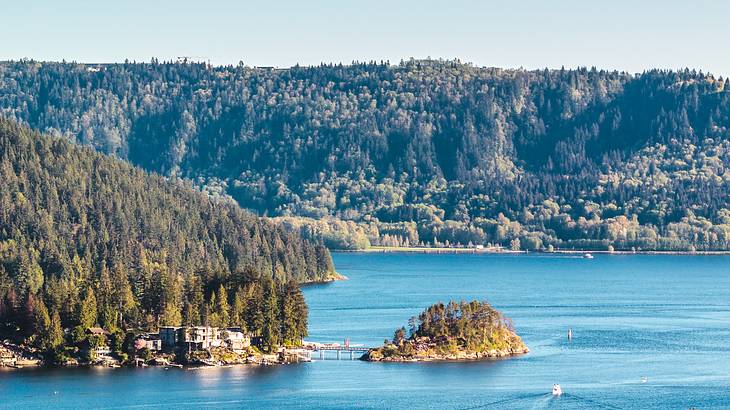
423,152
87,239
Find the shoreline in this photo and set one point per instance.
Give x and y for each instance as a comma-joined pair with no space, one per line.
260,361
149,366
336,277
459,357
494,251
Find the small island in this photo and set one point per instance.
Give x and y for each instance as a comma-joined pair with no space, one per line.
456,331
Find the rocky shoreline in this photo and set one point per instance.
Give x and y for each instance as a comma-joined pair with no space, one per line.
14,356
332,277
376,355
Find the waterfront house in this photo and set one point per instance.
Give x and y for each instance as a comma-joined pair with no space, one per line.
97,350
200,337
192,338
150,341
97,331
169,336
235,339
102,352
257,341
95,345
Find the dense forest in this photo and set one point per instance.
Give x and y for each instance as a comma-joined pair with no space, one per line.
89,240
423,152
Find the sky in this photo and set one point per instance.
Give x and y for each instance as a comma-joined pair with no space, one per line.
625,35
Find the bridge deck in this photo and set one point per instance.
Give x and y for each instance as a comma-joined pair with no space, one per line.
342,348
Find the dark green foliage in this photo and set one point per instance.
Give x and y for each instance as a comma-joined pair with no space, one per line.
475,326
424,152
294,314
88,240
270,312
469,321
458,330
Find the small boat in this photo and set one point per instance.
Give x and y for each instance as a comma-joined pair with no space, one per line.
570,334
557,391
587,256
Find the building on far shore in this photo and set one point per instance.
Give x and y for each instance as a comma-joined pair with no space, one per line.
150,341
97,345
192,338
169,336
200,337
236,339
97,331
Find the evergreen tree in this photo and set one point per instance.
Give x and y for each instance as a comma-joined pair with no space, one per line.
271,326
293,315
255,306
193,301
28,316
43,324
222,308
55,332
238,310
88,310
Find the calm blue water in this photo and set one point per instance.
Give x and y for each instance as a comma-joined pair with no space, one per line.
665,318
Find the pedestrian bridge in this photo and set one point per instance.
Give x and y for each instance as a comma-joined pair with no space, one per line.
335,352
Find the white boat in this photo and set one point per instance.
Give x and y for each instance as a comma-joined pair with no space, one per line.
557,391
587,256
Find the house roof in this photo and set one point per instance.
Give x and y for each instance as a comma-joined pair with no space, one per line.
148,337
96,331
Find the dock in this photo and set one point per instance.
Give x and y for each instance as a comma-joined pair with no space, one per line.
326,351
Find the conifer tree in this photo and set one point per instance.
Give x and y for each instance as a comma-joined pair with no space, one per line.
43,324
88,310
238,310
293,315
255,308
222,307
55,332
271,326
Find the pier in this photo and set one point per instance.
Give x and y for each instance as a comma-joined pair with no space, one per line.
335,351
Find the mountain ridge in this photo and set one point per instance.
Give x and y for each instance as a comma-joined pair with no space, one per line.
423,152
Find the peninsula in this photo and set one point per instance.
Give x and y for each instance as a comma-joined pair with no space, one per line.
100,260
456,331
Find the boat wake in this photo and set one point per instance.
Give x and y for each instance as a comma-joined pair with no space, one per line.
544,400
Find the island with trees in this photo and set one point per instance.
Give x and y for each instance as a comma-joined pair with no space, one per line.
452,332
98,257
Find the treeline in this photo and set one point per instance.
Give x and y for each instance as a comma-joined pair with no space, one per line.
274,310
473,323
419,153
87,239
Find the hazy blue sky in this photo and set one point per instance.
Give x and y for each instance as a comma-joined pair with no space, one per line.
627,35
